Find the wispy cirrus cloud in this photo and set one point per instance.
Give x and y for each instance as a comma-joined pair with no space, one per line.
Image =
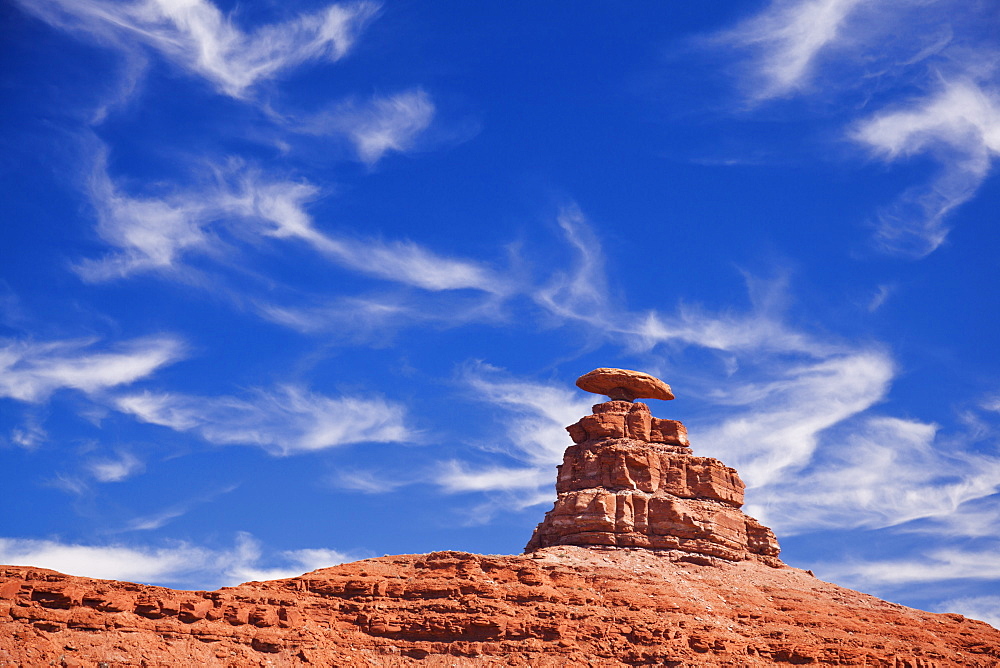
156,520
934,566
886,51
974,518
197,37
579,292
959,125
30,434
538,435
375,126
117,562
786,39
116,469
369,481
378,316
248,555
983,608
885,472
286,420
787,407
238,202
32,371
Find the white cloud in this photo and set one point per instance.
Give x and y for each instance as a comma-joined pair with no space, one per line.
409,263
311,559
534,434
960,126
30,434
377,317
284,421
115,470
180,564
380,125
150,233
977,517
196,36
787,38
879,298
884,472
113,562
783,416
31,371
457,476
582,292
156,520
156,233
734,332
368,482
159,519
888,49
936,566
247,555
983,608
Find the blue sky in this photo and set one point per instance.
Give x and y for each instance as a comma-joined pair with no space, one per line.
287,284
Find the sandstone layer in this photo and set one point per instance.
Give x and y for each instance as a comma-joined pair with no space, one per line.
631,480
559,606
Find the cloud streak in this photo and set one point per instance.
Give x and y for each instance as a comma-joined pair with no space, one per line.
178,564
787,38
884,472
115,470
887,50
32,371
936,566
785,415
959,125
375,127
195,36
286,420
984,608
157,233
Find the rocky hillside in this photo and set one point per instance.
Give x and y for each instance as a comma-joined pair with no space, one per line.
645,559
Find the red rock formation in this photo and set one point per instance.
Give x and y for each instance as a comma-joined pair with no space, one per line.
646,559
558,606
631,481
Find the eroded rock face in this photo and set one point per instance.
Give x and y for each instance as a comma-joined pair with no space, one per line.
631,480
559,606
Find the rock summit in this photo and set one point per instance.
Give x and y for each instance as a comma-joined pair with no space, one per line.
631,480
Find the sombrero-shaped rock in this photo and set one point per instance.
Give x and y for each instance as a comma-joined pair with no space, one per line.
624,385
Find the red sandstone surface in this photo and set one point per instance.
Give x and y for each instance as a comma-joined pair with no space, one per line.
645,560
558,606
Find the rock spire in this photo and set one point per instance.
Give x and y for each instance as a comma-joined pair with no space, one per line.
631,480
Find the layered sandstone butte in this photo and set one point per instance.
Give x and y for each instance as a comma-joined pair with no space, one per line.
631,481
645,560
